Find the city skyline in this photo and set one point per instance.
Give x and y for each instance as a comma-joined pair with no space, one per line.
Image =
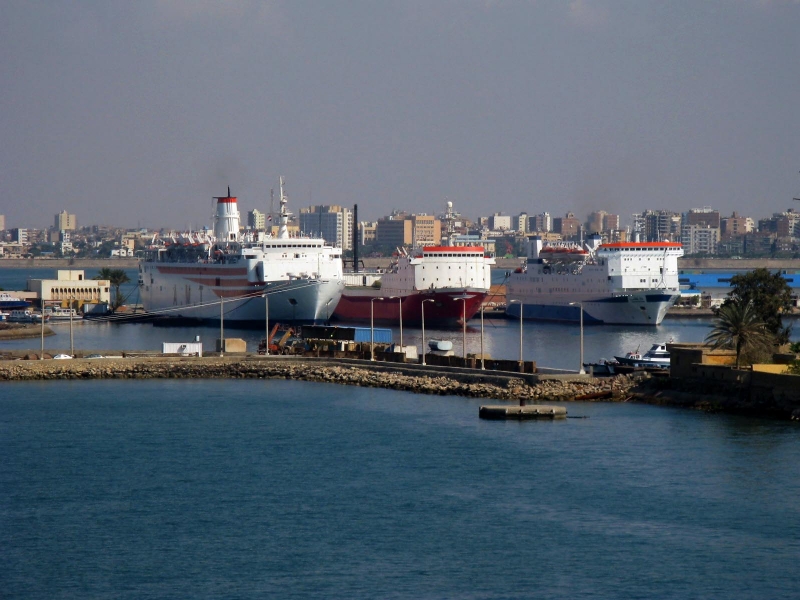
141,113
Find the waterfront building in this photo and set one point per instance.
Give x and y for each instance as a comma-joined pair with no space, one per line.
71,286
2,222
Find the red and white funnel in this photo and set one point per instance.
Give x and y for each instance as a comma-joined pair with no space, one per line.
226,218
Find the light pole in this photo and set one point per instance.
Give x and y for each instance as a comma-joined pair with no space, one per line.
372,327
41,354
582,371
327,312
266,323
483,366
221,327
463,299
400,298
71,339
423,329
521,363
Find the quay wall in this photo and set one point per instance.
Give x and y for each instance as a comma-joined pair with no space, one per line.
748,393
413,378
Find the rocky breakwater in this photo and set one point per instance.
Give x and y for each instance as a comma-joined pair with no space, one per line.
470,385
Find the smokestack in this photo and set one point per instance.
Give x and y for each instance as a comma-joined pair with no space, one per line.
355,238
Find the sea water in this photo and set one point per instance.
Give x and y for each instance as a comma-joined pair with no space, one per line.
285,489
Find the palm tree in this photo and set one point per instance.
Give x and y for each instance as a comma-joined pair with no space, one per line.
739,327
116,277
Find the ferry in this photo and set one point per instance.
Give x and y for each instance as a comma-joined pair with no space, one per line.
241,278
621,283
448,283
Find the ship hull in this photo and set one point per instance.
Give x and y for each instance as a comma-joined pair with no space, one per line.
446,309
647,308
174,296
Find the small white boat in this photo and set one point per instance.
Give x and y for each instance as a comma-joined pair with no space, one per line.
657,356
57,313
440,345
26,315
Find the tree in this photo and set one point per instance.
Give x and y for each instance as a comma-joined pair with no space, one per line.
116,277
770,296
738,326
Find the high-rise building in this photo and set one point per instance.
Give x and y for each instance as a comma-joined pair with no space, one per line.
66,242
735,225
19,235
658,225
65,222
332,223
541,223
256,220
366,231
568,226
699,239
426,230
391,231
498,222
521,223
594,224
703,216
403,230
2,222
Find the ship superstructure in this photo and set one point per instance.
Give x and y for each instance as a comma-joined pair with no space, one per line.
631,283
203,275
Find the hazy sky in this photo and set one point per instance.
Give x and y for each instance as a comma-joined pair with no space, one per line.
137,113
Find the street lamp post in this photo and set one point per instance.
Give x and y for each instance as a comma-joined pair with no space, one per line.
41,354
463,299
400,299
71,339
423,328
372,327
483,366
221,327
266,323
521,363
582,371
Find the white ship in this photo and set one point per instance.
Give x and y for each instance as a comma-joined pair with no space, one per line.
625,283
205,276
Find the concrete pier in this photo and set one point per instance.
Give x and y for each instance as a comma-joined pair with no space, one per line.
522,412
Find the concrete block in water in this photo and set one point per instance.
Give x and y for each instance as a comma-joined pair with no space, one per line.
522,412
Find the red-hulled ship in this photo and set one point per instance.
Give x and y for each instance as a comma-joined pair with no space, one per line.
452,281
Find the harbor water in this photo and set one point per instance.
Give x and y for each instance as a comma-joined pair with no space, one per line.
286,489
289,489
